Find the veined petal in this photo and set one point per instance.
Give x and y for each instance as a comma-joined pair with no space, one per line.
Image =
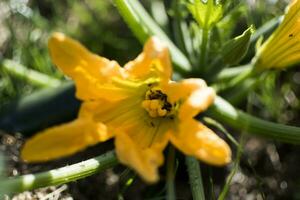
128,116
194,94
93,75
153,61
139,139
141,145
119,114
144,156
149,132
64,140
195,139
282,48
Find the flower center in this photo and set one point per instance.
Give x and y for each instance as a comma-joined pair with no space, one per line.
156,104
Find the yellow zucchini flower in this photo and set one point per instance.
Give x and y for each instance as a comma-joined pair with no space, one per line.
138,105
282,49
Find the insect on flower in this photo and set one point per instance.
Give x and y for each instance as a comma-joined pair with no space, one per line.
138,105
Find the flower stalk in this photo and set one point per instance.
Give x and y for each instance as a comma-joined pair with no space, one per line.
171,195
143,26
59,176
34,77
227,114
195,178
204,45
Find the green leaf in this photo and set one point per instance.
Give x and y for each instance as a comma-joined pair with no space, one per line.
235,49
40,109
206,14
232,72
143,26
227,114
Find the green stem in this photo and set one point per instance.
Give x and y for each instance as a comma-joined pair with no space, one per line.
126,179
203,52
143,26
34,77
195,178
171,195
132,20
58,176
177,29
227,114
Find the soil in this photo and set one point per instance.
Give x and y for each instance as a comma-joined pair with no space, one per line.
267,170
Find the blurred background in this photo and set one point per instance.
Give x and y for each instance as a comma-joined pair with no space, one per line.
268,170
26,25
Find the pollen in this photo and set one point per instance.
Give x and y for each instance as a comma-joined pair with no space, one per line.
156,104
162,112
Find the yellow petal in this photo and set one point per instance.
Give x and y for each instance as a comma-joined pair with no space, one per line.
140,142
149,132
194,94
153,61
93,75
119,114
197,102
130,117
195,139
63,140
145,161
282,48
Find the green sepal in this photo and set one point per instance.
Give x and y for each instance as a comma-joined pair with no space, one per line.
206,14
235,49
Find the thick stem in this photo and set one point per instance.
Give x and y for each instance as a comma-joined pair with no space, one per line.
227,114
58,176
195,178
171,195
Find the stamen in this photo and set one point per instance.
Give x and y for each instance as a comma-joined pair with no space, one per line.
146,104
152,113
162,112
156,104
